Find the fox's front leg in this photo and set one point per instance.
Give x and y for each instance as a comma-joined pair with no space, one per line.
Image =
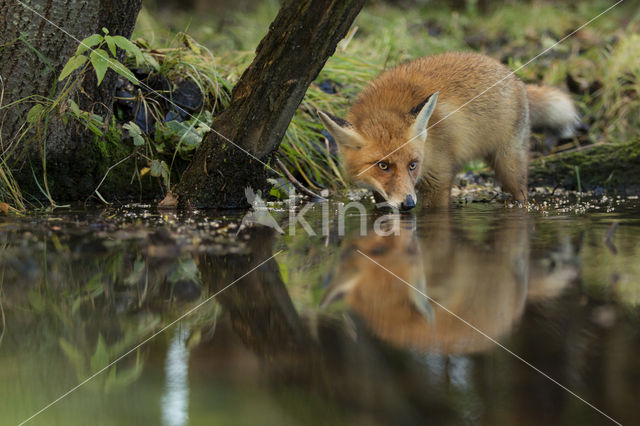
435,191
440,198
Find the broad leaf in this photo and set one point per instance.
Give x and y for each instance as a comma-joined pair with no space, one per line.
123,71
129,47
156,168
111,379
73,64
88,43
74,107
95,285
135,132
128,376
111,44
34,113
160,169
187,133
100,61
138,272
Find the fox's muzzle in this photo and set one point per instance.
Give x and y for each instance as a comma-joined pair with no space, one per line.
408,203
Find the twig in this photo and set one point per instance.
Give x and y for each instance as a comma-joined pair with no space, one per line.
295,181
106,174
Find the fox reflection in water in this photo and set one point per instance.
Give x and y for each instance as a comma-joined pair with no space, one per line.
484,282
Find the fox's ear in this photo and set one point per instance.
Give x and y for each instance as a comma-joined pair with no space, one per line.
423,112
342,131
338,290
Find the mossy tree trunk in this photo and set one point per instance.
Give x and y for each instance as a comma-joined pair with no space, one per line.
75,161
613,167
301,38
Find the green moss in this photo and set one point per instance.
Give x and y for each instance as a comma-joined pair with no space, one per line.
101,144
610,166
114,132
120,182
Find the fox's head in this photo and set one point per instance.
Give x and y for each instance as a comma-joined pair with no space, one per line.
383,149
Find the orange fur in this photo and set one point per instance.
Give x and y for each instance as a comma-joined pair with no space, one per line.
481,112
485,281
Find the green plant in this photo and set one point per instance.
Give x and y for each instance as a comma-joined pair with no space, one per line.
101,60
171,139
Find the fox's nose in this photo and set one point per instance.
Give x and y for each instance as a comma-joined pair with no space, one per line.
408,203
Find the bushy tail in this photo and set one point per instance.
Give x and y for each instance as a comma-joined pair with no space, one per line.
552,111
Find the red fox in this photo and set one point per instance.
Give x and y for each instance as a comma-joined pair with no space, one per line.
418,124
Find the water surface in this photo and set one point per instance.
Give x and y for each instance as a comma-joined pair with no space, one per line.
413,327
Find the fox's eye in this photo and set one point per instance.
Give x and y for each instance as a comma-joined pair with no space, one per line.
383,165
413,165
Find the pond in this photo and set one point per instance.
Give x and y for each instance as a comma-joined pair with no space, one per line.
482,314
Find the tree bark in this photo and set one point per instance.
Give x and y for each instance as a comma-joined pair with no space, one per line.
75,159
301,38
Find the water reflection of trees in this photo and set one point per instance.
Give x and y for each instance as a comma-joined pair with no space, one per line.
375,382
376,351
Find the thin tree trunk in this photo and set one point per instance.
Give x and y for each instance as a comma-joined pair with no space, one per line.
304,34
75,159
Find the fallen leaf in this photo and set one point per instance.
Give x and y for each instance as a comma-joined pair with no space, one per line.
170,201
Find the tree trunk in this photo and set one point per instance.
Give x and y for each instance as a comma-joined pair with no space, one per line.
614,167
304,34
75,159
